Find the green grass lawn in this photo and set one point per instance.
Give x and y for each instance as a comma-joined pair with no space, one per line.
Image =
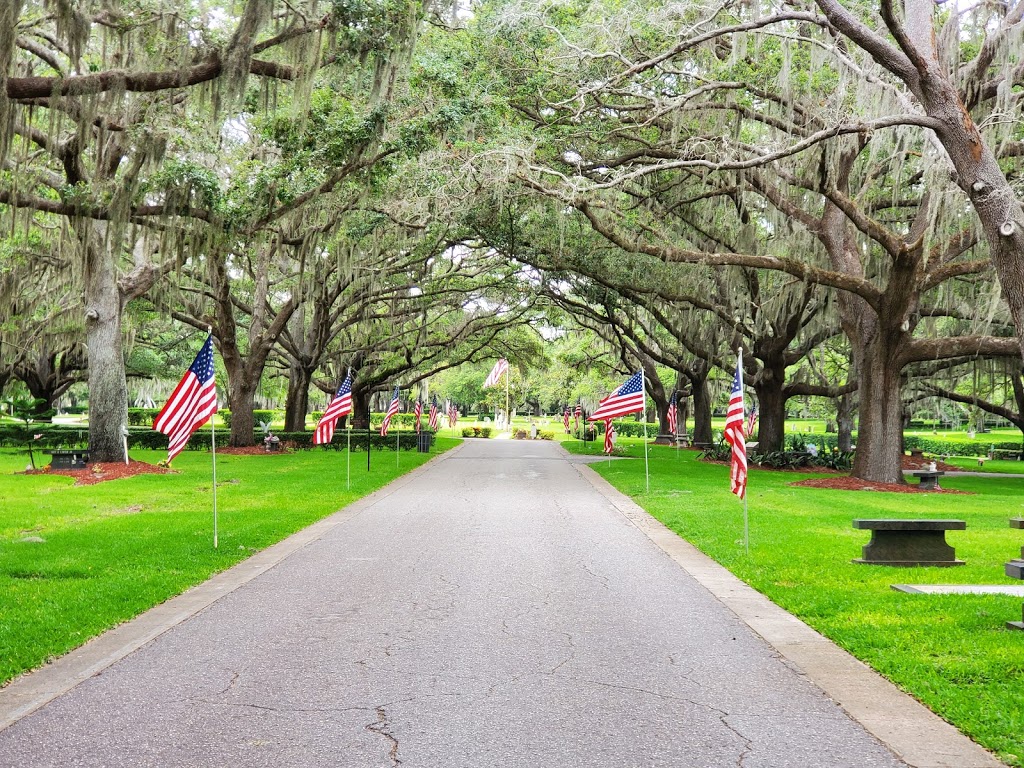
112,550
953,652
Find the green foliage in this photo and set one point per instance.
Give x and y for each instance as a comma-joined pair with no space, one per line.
142,417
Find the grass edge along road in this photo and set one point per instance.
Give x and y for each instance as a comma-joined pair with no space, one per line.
952,652
78,560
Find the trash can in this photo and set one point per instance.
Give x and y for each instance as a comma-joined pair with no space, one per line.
423,440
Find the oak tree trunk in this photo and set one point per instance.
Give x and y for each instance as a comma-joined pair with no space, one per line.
108,388
297,401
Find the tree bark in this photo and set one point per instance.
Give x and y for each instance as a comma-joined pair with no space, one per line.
844,422
880,436
108,388
771,405
701,410
297,401
360,408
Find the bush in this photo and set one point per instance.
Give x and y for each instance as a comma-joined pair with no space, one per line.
486,431
142,417
546,435
467,432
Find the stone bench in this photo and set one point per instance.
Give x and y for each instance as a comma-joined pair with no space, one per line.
909,542
68,458
1015,570
929,480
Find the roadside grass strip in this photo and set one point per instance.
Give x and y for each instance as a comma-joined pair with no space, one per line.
952,652
78,560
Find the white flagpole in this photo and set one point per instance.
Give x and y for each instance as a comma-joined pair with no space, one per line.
746,519
647,465
348,459
398,441
213,451
508,413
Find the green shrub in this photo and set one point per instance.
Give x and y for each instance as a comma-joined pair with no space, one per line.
486,432
467,432
543,435
142,417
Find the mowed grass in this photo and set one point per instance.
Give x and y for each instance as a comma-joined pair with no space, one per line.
112,550
953,652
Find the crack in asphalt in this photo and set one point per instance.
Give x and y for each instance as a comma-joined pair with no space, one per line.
383,728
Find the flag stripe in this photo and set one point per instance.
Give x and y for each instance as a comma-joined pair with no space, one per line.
191,404
735,436
499,368
628,398
340,405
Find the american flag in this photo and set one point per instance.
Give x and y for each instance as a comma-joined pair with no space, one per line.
432,419
191,404
392,410
499,368
751,421
565,419
673,415
418,412
341,405
579,412
734,434
453,415
609,436
629,398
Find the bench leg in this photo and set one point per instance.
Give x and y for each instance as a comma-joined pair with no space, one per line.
1017,624
909,548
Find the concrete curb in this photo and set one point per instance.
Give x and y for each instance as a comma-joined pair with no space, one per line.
25,694
913,732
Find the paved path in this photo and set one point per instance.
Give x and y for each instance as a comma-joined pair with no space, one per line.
496,609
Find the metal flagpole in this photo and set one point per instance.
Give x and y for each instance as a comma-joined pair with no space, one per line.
508,413
647,465
746,519
398,439
348,461
368,411
213,449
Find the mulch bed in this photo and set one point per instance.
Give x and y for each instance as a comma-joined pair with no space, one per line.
847,483
100,471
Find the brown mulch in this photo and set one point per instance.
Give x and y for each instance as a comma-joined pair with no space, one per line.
100,471
847,483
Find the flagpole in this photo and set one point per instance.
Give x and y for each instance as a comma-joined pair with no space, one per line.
213,453
746,518
348,461
647,465
398,439
368,412
508,413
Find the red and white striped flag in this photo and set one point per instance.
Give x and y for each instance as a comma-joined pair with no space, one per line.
418,412
432,419
673,415
453,415
734,434
191,404
565,419
392,410
751,421
340,405
499,368
629,398
579,412
609,436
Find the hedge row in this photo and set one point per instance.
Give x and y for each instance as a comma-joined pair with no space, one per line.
143,438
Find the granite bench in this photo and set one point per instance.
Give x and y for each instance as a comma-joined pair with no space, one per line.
929,479
1015,570
909,542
